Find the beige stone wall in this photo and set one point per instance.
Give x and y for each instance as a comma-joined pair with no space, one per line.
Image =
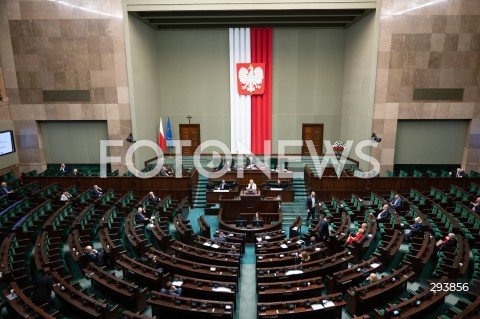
54,45
427,44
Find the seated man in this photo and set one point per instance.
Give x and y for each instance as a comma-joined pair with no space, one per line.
257,216
220,237
164,171
64,169
66,197
396,203
98,257
449,241
459,173
96,191
4,189
416,228
384,214
152,199
75,172
140,216
372,278
171,289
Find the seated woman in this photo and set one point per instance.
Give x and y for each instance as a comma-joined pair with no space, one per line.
304,257
415,228
352,238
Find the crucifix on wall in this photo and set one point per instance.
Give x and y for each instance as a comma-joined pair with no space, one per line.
189,117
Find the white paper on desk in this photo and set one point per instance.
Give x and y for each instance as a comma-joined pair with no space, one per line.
177,283
259,239
300,242
221,190
328,304
374,265
215,246
317,306
207,243
294,272
317,249
276,189
221,289
295,228
267,237
284,246
213,269
11,297
230,235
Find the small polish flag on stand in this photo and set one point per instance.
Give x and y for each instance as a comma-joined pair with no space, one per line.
161,137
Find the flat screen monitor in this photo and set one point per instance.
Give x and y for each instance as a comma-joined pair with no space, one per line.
241,223
257,223
7,144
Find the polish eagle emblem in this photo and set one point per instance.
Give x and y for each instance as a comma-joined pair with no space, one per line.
250,78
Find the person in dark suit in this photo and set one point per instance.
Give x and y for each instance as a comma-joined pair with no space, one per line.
396,203
140,215
4,189
96,191
98,257
171,289
459,173
476,205
43,287
323,230
75,172
251,162
164,171
312,203
220,237
223,185
64,169
384,213
416,228
152,199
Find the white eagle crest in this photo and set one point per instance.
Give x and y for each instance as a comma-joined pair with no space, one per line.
251,79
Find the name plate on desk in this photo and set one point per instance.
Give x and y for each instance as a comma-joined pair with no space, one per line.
221,190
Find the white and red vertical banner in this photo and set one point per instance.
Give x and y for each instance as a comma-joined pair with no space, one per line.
250,89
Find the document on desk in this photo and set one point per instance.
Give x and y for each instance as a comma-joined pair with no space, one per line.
284,246
267,237
221,190
215,246
177,283
294,272
317,306
207,243
328,304
221,289
276,189
295,228
374,265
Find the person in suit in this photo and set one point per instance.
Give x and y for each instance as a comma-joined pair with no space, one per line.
396,203
228,166
171,289
96,191
459,173
64,169
75,172
251,162
251,185
323,230
66,197
98,257
140,215
152,199
312,203
356,238
384,213
415,228
257,216
223,185
43,287
164,171
4,189
476,205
